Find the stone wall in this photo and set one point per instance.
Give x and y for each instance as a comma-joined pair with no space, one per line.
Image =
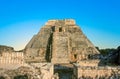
92,63
69,22
46,69
30,71
97,72
12,58
66,22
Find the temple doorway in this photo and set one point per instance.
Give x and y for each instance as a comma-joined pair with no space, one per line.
64,72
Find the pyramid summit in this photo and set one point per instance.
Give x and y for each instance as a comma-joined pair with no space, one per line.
62,22
59,41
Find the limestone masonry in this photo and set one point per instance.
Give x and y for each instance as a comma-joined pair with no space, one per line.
60,50
59,41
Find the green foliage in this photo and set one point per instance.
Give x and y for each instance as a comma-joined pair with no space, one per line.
106,51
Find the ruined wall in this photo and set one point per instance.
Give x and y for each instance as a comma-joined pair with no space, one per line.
30,71
46,70
97,72
92,63
12,58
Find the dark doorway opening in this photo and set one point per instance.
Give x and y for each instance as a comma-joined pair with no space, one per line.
60,29
53,28
75,56
64,72
1,77
21,77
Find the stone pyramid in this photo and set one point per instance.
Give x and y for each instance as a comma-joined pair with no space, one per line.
59,41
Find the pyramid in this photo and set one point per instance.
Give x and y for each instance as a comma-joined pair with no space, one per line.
59,41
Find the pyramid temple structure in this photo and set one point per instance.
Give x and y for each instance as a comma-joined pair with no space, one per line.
60,50
60,41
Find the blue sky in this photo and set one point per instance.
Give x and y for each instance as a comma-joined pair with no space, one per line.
21,19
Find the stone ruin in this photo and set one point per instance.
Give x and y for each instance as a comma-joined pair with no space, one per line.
59,41
60,50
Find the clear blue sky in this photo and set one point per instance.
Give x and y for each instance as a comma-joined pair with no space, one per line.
21,19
